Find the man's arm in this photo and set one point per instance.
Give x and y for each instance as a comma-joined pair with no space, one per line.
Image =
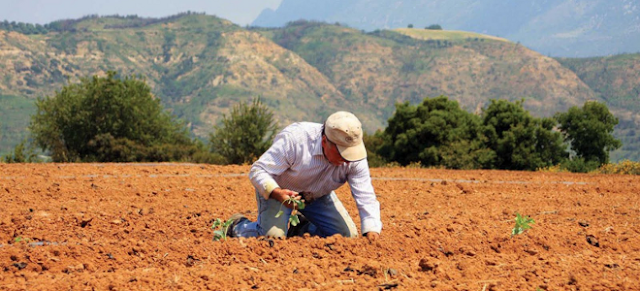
365,197
275,161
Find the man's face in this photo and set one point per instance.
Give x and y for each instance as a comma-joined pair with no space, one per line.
331,152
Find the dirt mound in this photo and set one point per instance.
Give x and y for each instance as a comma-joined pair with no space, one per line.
147,226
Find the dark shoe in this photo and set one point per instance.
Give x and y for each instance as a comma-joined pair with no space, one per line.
301,228
236,218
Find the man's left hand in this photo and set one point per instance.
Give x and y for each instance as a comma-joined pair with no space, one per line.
372,236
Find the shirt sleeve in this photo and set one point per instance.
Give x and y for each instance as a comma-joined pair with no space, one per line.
365,197
275,161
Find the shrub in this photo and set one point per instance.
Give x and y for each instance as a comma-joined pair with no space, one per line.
625,167
245,134
579,165
107,119
22,154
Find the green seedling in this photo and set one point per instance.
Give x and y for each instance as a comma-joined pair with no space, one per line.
293,218
522,224
21,239
220,234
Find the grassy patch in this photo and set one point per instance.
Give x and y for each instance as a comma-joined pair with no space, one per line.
450,35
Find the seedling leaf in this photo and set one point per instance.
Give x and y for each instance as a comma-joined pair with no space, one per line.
21,239
522,224
294,220
293,217
220,234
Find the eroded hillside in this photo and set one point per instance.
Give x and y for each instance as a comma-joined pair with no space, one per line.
380,68
200,66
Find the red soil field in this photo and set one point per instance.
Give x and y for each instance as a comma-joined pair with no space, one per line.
148,227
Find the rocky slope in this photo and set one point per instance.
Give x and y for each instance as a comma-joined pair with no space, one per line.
200,66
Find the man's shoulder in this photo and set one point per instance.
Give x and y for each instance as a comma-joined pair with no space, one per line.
303,128
302,132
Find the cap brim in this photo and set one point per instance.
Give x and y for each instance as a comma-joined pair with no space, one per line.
354,153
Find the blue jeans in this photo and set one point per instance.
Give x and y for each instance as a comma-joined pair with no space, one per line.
326,214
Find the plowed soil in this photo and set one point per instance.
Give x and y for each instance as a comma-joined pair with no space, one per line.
148,227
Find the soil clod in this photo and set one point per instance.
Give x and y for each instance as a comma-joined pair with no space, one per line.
427,266
20,265
388,286
592,240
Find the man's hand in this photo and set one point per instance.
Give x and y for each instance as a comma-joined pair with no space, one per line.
372,236
284,194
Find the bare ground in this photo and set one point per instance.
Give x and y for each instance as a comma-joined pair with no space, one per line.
148,227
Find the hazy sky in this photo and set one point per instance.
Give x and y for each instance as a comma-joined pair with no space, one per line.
240,12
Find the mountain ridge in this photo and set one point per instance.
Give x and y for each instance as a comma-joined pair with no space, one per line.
561,28
199,66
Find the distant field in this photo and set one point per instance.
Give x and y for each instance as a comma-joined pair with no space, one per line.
451,35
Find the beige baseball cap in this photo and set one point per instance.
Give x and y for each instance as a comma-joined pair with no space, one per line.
345,130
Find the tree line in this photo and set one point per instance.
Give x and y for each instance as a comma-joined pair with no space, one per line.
69,25
117,119
438,132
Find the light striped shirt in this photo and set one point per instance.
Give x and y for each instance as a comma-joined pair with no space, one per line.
295,161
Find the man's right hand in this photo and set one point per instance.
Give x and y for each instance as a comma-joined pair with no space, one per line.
284,194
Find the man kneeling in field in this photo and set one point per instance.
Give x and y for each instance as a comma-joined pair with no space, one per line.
308,161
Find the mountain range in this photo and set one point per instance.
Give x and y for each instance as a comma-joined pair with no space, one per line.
199,66
559,28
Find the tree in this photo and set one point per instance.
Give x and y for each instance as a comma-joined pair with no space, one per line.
107,119
245,134
520,141
589,131
410,26
434,27
436,132
21,154
373,143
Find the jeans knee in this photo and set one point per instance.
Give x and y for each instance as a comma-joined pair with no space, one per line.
350,233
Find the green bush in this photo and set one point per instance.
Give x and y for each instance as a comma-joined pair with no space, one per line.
520,141
625,167
245,134
107,119
579,165
372,143
435,133
590,131
22,154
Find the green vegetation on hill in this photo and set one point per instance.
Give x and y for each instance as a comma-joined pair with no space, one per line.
450,35
89,22
200,66
377,69
616,80
15,113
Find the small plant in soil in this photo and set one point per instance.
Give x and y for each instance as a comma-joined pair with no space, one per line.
293,218
21,239
220,234
522,224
